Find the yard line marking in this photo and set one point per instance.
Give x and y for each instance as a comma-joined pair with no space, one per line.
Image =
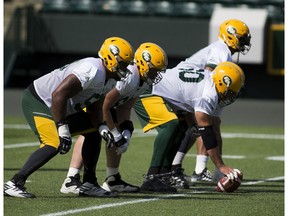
253,136
109,205
20,145
276,158
223,156
140,133
265,180
16,126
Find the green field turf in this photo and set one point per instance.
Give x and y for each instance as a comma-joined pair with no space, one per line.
261,193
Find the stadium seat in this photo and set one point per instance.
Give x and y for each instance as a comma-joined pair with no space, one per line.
81,6
108,7
55,5
137,7
162,8
187,9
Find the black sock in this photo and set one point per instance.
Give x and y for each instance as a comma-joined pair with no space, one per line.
153,170
176,166
36,160
90,154
165,170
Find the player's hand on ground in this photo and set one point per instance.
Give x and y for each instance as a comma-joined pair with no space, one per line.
231,173
234,175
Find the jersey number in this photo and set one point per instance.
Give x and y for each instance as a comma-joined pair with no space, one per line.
191,75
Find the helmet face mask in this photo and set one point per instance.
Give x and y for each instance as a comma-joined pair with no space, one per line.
229,81
151,61
236,35
244,44
153,77
227,98
121,68
117,54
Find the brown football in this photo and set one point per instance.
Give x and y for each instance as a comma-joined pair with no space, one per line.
226,185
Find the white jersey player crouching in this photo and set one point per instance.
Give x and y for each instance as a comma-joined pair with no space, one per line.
150,61
204,94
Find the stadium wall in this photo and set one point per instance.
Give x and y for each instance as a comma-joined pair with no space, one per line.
55,39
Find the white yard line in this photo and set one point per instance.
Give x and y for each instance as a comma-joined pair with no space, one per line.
264,180
139,133
110,205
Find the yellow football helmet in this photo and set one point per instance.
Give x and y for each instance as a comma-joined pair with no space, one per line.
236,35
151,60
117,54
229,81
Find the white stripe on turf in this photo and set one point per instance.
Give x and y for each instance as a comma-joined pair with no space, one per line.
110,205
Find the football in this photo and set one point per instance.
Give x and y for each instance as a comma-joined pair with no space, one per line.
226,185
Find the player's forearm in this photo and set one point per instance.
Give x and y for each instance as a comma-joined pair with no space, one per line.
58,108
216,157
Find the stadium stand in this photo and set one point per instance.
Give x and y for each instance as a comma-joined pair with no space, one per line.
181,8
37,34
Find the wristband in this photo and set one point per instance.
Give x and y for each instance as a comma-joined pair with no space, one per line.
116,134
63,131
61,122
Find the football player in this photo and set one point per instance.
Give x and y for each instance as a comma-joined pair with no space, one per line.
53,107
234,37
200,96
149,63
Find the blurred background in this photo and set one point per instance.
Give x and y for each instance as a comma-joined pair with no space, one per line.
41,35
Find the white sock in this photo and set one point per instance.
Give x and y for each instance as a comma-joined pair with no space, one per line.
201,163
178,158
111,171
72,171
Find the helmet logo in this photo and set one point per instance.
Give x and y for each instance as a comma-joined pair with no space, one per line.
227,80
231,30
114,50
146,56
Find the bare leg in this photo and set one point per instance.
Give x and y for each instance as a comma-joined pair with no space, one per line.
113,161
113,181
72,181
76,162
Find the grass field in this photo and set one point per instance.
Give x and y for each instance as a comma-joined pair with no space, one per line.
257,151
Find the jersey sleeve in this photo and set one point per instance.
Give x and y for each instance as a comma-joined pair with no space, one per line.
85,72
128,85
216,55
205,106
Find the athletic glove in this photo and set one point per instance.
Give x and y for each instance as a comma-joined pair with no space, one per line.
64,137
123,148
118,138
106,135
233,176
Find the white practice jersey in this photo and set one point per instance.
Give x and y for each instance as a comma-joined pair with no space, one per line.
189,90
128,88
92,75
211,56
